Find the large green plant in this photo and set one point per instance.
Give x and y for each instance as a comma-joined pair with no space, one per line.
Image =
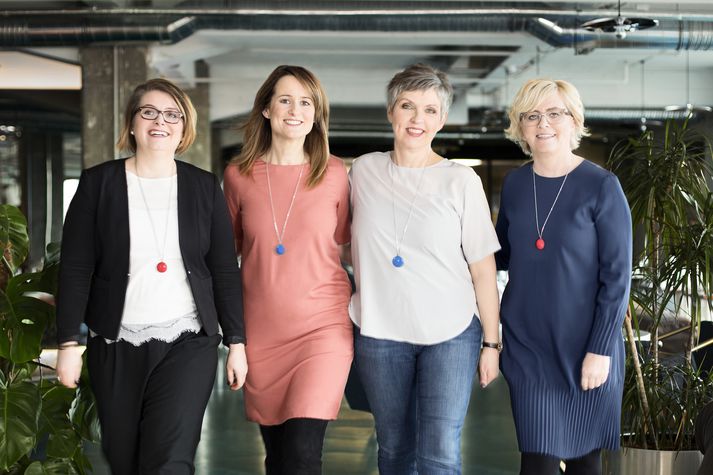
42,424
666,180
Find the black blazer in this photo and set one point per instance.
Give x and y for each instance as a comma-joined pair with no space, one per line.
94,266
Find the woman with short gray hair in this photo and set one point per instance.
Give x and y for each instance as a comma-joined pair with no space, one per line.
422,248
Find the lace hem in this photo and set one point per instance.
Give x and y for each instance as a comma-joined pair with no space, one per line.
138,334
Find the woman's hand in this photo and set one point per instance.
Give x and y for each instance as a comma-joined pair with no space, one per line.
69,364
489,365
595,370
236,366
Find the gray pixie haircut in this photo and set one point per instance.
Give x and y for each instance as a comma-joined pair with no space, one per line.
420,77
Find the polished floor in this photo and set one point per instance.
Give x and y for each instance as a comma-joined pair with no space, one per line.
232,446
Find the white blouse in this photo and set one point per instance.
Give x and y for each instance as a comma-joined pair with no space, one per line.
430,299
152,297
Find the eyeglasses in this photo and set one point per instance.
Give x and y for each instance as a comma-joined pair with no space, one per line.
553,116
151,113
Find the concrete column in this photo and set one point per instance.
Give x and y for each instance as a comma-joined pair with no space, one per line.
32,150
55,165
109,76
200,153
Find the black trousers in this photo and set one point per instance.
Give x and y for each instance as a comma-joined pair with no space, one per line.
294,447
151,400
539,464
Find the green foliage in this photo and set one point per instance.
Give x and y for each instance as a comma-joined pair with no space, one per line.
674,402
34,409
20,403
666,180
14,241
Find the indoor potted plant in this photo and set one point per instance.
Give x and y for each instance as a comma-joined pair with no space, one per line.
42,424
666,179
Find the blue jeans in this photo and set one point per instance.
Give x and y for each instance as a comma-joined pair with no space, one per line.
419,397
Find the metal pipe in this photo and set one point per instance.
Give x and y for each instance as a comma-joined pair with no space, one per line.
45,27
346,9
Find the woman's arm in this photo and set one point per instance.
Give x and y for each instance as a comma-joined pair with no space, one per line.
486,293
236,365
76,268
612,221
77,261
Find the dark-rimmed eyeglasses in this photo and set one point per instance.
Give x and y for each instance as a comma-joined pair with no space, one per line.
553,116
151,113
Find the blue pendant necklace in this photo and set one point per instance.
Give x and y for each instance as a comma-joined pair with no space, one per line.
280,248
398,261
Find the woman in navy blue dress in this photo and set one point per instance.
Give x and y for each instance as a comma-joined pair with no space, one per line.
565,230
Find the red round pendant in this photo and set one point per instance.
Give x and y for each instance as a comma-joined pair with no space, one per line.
161,267
540,244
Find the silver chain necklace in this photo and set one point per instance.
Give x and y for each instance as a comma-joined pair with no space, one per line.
161,266
397,260
540,243
280,248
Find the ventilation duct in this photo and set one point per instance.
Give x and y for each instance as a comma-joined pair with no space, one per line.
555,27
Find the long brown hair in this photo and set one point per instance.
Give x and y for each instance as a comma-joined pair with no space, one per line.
185,106
258,134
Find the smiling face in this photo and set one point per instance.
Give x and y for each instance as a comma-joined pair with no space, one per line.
416,118
291,110
545,137
157,135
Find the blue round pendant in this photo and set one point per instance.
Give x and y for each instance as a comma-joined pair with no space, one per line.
397,261
280,249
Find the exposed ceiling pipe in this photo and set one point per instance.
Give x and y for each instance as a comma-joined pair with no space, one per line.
25,34
556,27
352,9
669,35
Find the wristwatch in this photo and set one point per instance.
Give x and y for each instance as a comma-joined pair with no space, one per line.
498,346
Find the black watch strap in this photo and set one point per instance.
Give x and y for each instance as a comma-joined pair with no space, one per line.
498,346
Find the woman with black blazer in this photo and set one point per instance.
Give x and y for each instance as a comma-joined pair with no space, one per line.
148,263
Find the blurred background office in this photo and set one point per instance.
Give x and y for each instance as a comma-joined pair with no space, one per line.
66,67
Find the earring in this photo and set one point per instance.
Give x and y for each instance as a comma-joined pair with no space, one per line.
131,132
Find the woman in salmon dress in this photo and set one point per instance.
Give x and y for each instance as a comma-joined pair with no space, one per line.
288,199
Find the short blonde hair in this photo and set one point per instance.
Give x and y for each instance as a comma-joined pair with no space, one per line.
128,142
532,93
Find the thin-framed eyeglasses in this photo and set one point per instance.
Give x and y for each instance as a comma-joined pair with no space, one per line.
151,113
553,116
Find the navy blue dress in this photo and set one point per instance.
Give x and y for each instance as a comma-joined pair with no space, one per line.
560,303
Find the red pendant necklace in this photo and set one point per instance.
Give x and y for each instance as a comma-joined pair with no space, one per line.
540,243
161,266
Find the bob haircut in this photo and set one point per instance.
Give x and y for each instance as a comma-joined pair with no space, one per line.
420,77
185,106
258,133
532,93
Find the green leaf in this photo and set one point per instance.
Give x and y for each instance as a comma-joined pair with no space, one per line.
52,467
14,241
82,463
20,405
23,324
84,408
64,441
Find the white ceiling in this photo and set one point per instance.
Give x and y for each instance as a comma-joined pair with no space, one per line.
356,65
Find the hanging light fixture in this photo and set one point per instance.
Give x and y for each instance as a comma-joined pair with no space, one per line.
688,107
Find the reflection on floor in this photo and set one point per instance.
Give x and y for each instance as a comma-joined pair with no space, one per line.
232,446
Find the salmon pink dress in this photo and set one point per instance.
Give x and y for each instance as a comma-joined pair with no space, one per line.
298,331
